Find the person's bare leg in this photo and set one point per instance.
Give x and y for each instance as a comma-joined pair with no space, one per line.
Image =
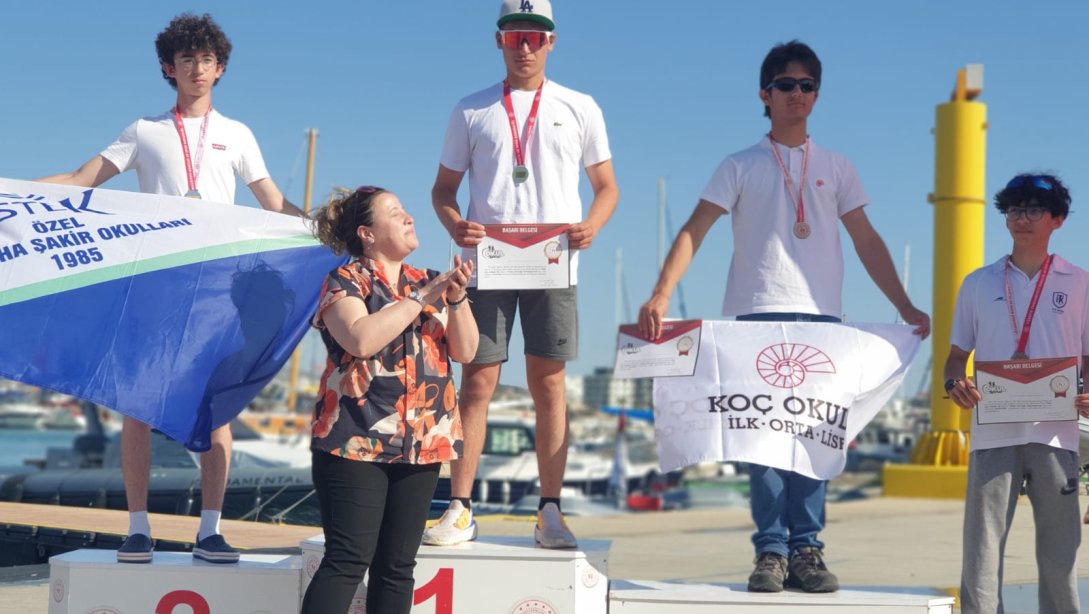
548,388
478,384
214,465
135,462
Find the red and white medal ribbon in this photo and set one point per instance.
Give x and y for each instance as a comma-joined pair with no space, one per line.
521,171
802,229
1022,340
192,164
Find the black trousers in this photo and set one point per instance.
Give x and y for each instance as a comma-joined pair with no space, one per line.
373,515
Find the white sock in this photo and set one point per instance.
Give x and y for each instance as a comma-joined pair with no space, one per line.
138,523
209,523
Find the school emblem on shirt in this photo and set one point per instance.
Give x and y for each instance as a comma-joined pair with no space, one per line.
785,365
1058,300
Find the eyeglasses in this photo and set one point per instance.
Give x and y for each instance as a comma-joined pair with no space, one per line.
514,39
188,64
787,85
1037,181
367,189
1031,213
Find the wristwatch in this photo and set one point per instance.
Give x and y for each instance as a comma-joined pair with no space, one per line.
415,295
951,383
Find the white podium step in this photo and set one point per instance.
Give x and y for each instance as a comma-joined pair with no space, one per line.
498,574
92,581
646,597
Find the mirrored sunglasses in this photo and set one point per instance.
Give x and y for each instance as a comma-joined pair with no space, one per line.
787,85
514,39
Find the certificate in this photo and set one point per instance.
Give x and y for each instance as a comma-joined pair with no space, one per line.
523,257
671,354
1040,390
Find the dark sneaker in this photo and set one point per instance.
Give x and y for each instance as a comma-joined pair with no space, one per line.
136,549
215,549
770,572
807,572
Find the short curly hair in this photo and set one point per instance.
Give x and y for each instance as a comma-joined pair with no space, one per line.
187,32
1035,190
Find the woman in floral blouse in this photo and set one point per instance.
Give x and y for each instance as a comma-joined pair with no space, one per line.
387,413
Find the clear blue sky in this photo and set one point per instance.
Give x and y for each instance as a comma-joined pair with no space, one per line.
677,83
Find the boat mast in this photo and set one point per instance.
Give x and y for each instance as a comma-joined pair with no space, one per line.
312,134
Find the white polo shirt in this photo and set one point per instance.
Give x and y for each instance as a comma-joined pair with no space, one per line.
151,145
1060,328
569,136
772,270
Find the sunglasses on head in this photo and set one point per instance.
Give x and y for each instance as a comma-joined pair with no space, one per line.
787,85
514,39
367,189
1037,181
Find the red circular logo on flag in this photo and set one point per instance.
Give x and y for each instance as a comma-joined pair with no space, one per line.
785,365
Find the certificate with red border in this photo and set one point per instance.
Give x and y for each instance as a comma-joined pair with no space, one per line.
523,257
1032,390
671,354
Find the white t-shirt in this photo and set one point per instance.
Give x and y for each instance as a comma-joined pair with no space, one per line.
1060,328
569,136
152,146
771,270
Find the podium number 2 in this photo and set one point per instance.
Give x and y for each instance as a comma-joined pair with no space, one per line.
173,599
441,587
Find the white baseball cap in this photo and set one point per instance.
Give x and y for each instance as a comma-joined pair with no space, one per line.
539,11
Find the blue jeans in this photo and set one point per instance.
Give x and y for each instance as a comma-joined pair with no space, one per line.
787,507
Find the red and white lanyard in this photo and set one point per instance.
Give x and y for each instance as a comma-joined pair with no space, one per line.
1022,341
531,121
799,202
192,166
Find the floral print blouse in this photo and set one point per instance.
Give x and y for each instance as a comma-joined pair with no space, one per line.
399,405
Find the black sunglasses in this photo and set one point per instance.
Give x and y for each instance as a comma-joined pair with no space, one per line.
1038,181
787,85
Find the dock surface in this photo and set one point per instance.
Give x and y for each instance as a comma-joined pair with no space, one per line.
874,542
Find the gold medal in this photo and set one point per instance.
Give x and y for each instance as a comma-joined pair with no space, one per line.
802,230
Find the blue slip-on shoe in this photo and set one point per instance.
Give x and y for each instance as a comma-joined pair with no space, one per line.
215,549
136,549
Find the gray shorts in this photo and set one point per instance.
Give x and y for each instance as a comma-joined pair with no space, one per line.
550,324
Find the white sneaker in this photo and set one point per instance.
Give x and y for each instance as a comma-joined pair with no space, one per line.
551,530
455,527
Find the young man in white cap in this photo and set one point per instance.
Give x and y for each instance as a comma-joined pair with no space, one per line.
786,197
191,150
522,142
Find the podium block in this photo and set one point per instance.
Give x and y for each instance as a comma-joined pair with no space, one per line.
500,575
645,597
93,582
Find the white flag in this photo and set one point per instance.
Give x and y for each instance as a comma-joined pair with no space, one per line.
789,395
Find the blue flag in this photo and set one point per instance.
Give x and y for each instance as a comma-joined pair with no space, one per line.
170,310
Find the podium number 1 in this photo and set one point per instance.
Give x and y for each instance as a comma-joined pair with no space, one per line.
441,587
